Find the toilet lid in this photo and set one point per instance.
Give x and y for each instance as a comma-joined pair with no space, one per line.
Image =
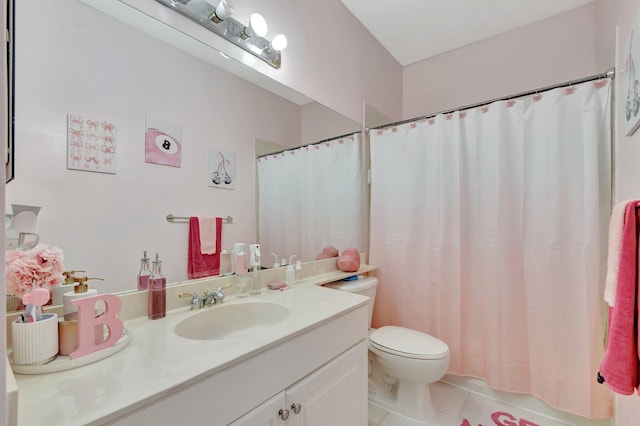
408,343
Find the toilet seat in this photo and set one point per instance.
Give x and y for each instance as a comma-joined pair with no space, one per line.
408,343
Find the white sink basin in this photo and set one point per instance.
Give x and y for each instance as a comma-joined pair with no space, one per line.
219,322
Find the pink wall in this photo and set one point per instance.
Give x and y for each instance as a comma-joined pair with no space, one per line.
627,149
319,123
554,50
335,60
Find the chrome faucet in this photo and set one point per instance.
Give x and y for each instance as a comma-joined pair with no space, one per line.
208,299
196,301
215,297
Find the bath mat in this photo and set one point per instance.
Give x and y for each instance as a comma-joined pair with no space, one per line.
479,411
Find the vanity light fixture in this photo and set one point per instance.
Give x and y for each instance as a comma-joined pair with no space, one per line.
257,27
218,19
279,43
223,10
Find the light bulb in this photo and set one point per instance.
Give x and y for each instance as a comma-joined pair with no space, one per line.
257,26
224,9
279,42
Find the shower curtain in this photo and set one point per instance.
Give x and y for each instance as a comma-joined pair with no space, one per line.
489,226
310,197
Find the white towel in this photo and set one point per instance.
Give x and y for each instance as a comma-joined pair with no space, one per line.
207,234
616,225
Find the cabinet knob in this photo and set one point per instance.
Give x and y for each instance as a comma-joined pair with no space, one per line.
296,408
284,414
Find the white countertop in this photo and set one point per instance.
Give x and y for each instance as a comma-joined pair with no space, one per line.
158,362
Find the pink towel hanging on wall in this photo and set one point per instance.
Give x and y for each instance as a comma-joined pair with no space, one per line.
619,367
203,265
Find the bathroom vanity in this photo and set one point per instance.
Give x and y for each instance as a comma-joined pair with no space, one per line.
308,367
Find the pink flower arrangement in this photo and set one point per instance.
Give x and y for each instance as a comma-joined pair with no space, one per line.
39,267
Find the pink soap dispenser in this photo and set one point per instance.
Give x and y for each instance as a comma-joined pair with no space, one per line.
157,291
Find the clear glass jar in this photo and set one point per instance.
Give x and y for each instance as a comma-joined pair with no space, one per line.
144,273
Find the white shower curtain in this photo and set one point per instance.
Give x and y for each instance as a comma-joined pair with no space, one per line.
489,226
310,197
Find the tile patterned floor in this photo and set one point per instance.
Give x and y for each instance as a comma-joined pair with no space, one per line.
458,407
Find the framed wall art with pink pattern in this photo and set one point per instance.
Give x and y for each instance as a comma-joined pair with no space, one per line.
91,144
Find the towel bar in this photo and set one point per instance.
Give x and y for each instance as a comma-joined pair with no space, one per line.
172,218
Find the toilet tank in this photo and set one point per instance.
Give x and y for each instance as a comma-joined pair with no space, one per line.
365,286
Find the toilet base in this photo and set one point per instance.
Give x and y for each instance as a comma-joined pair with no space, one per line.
414,400
407,399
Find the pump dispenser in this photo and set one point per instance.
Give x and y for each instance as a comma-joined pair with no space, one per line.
298,270
57,294
254,252
157,307
241,278
237,249
254,267
225,263
144,273
68,277
290,276
290,273
80,289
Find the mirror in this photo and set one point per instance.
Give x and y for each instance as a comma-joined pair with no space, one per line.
103,70
293,199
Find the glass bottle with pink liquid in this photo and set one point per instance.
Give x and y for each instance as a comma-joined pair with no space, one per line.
157,291
145,273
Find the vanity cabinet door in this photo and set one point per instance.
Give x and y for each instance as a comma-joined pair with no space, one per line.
270,413
335,394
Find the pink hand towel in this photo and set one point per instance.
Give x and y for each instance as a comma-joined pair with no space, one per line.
207,234
616,225
202,265
619,367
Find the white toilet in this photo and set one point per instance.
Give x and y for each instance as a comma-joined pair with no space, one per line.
402,362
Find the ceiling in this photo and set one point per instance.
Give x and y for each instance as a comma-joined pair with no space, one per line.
413,30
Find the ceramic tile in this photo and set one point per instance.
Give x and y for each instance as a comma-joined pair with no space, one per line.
376,414
546,421
393,419
447,398
566,419
440,419
478,410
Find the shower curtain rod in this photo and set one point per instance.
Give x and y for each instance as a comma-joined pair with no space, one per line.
309,144
611,73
